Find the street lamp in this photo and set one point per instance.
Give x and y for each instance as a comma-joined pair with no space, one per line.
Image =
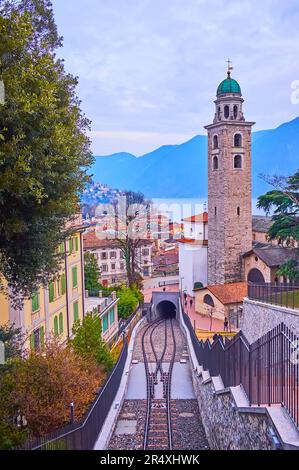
72,413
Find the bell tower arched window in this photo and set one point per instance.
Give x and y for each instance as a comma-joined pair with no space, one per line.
226,111
219,113
237,140
235,111
215,163
237,161
215,142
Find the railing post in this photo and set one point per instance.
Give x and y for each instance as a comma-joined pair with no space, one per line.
282,363
269,365
258,374
249,375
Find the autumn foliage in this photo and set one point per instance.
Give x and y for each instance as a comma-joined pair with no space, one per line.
43,386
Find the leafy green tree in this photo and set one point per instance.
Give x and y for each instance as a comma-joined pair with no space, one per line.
92,272
128,301
44,150
13,340
284,201
87,341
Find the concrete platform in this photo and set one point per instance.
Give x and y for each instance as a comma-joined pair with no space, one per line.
181,386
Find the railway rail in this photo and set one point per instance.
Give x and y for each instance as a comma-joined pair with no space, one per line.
158,432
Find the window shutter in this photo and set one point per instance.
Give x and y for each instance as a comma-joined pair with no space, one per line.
76,311
35,301
105,323
111,316
63,285
42,337
75,277
77,243
51,292
61,323
71,245
55,326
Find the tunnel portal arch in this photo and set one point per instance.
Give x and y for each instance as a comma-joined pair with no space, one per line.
165,305
166,309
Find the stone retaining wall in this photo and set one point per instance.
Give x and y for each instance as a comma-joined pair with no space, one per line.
226,427
258,318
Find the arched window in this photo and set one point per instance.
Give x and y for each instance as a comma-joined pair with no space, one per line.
255,276
226,111
219,112
215,142
208,300
215,163
235,111
238,210
237,140
237,161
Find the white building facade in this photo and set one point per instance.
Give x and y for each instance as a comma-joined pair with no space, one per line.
111,261
193,253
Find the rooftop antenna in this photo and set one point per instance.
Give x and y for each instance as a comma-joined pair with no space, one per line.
229,67
205,206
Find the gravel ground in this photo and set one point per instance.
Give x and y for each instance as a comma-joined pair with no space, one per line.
188,431
131,410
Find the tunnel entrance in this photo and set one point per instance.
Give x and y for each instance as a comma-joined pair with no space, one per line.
166,309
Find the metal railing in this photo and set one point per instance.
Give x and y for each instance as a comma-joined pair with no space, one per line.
83,436
284,295
268,369
168,283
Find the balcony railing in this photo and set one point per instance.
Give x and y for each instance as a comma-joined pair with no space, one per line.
284,295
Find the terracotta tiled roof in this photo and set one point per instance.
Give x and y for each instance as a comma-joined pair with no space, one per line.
192,241
197,218
273,255
229,293
90,240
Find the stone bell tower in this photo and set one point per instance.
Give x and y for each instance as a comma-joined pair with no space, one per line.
229,185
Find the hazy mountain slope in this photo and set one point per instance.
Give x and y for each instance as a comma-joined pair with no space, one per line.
181,170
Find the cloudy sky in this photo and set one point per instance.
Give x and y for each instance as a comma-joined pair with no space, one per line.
149,69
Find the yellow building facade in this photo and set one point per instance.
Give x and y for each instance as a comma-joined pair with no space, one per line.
53,310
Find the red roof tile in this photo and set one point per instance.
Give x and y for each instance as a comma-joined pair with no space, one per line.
229,293
197,218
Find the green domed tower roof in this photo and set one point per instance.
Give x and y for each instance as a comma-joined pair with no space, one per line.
229,85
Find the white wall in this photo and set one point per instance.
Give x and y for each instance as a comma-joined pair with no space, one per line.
193,266
196,230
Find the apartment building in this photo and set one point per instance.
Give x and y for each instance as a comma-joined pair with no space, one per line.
106,309
111,261
52,310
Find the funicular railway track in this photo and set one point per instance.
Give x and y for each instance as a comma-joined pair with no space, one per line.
158,432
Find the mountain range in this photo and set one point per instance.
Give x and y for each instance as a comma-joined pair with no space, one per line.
178,171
